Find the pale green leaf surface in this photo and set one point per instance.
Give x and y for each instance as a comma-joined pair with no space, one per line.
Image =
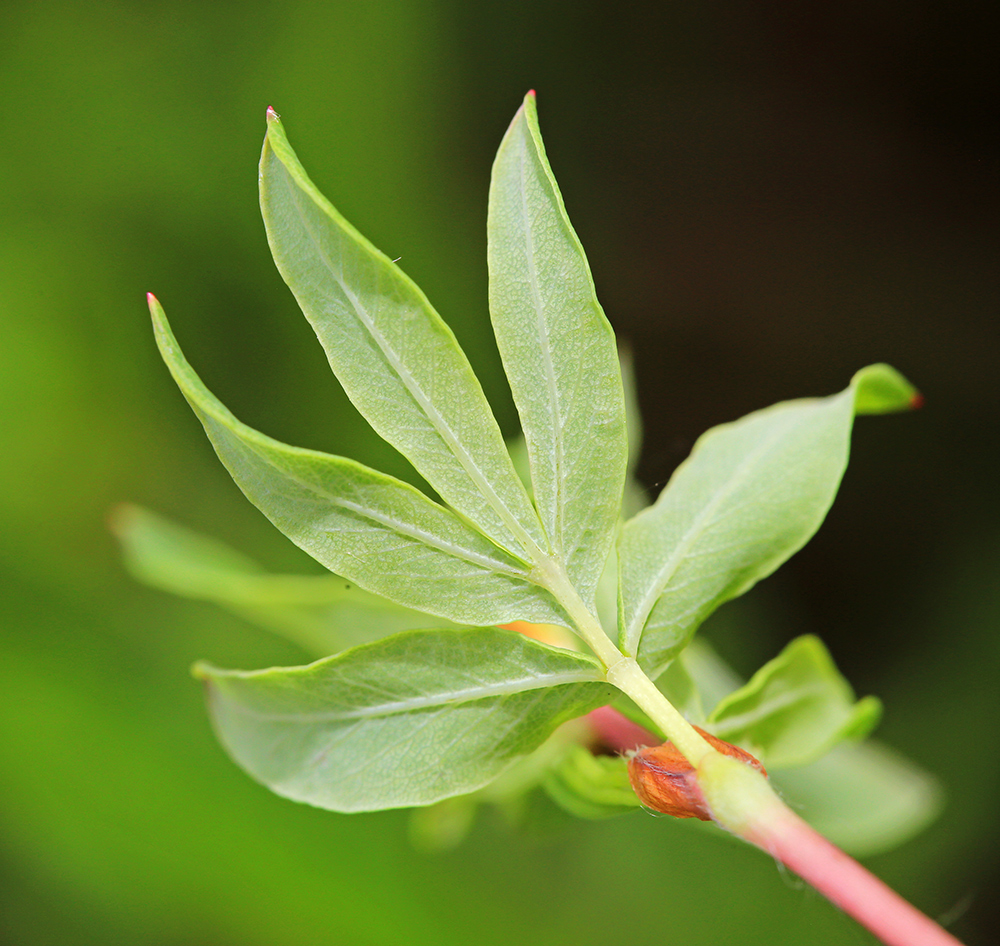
559,354
751,494
371,528
795,708
862,796
404,721
324,614
398,362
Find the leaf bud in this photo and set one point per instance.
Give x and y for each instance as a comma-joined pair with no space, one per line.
665,781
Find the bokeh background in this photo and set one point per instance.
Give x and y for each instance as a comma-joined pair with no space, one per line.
771,195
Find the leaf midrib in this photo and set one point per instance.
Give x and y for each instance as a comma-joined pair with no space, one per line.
429,701
545,345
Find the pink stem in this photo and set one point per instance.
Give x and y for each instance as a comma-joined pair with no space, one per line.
844,882
617,732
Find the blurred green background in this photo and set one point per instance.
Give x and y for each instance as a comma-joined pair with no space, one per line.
771,195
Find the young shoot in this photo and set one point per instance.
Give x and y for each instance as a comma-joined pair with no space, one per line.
485,643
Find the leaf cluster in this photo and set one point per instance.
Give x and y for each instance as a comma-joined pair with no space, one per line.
423,691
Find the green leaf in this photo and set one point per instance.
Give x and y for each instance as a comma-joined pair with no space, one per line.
863,797
559,353
323,613
371,528
398,362
795,708
751,494
404,721
590,786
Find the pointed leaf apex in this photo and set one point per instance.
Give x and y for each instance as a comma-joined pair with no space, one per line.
881,389
532,94
916,402
151,299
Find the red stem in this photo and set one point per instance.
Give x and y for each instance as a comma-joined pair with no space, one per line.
844,882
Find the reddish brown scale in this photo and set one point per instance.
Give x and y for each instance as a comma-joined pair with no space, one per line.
666,782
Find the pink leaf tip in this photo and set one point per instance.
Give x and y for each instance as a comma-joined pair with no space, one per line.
272,114
916,402
531,92
150,298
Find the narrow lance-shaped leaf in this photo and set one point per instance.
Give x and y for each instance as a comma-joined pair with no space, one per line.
322,613
371,528
795,708
405,721
559,354
750,495
398,362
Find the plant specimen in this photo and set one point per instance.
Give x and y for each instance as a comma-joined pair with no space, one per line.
485,639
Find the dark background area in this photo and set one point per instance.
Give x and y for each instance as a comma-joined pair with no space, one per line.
771,195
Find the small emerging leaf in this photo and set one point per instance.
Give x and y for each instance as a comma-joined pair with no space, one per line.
371,528
397,360
558,350
795,708
323,613
405,721
590,786
750,495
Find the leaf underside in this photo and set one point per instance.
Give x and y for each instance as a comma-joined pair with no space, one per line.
559,353
405,721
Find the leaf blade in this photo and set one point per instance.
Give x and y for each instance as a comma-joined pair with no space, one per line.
371,528
401,722
750,495
398,362
795,708
559,354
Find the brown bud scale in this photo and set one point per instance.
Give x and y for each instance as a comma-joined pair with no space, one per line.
666,782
